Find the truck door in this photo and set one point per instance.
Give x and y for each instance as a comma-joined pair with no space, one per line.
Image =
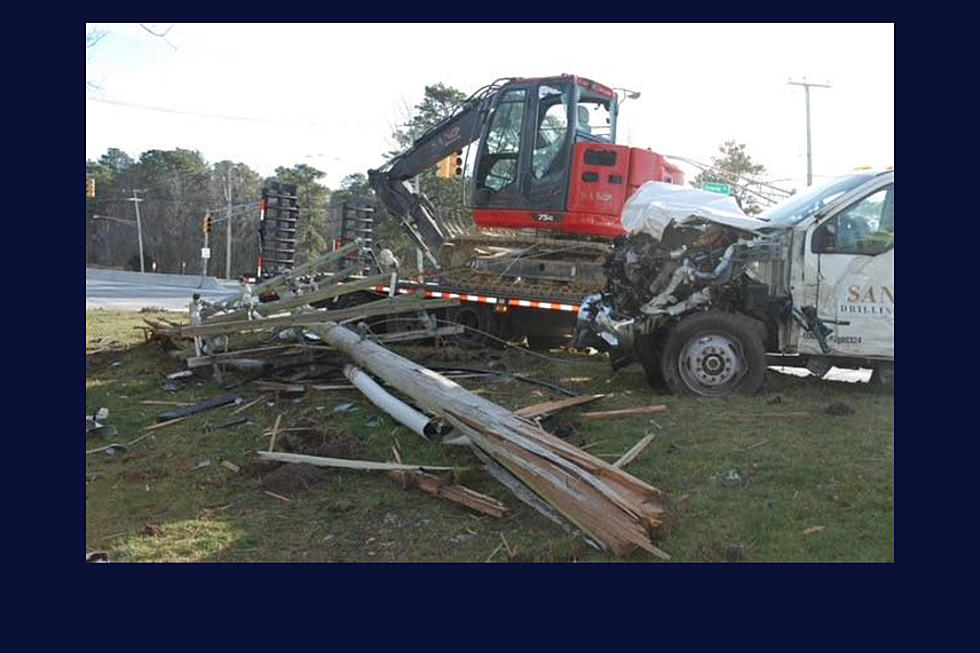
851,252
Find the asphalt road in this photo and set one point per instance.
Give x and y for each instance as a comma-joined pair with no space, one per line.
134,293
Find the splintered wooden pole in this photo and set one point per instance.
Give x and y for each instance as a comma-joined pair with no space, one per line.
616,509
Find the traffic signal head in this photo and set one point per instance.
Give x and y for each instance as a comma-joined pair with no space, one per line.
444,170
89,187
457,161
207,223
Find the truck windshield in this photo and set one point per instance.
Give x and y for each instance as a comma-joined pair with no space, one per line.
801,206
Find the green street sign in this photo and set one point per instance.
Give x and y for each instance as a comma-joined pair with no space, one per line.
712,187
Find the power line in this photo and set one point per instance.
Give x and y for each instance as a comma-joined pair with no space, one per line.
201,114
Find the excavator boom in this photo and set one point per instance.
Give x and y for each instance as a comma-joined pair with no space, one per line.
391,181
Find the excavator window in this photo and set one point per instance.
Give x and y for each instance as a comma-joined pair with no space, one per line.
503,142
552,129
594,119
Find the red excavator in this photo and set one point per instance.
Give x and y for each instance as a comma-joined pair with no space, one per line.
548,185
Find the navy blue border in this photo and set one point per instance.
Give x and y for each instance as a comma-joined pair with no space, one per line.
650,600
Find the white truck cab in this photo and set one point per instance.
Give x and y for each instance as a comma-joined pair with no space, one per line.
704,297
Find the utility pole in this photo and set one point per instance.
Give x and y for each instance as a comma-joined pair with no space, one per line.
809,156
228,228
139,227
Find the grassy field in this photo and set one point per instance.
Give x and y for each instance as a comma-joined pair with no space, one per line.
744,485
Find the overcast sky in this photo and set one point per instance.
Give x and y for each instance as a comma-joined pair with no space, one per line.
329,95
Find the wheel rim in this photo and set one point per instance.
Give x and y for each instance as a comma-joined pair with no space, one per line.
712,364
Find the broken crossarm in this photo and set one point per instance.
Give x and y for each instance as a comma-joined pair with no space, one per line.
385,306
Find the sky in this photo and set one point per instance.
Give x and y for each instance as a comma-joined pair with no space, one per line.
329,95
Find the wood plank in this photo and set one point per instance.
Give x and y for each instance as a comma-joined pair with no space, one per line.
544,408
275,432
344,463
625,412
635,451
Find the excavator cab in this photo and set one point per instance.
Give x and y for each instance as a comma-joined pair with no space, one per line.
526,149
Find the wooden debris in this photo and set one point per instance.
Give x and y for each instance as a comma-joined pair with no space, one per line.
814,529
227,464
625,412
151,402
637,449
549,407
616,509
344,463
451,492
276,496
243,407
160,425
275,432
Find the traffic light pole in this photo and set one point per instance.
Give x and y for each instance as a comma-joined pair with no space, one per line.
204,260
228,229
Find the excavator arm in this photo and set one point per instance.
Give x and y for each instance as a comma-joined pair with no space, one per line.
392,181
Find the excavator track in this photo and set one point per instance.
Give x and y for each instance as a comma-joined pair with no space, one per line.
535,268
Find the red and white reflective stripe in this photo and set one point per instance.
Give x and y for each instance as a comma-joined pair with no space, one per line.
483,299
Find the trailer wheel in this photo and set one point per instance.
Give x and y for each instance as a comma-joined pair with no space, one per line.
474,320
714,354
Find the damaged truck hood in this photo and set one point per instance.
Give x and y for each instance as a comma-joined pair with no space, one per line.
655,206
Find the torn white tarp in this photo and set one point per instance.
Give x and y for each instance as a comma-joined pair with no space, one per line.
656,205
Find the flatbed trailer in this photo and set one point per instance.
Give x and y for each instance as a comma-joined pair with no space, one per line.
544,321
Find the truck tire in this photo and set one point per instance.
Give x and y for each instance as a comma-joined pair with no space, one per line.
883,375
714,354
649,355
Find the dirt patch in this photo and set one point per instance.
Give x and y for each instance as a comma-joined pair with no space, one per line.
331,443
839,409
290,479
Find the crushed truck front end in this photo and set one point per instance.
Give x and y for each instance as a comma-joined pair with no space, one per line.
699,293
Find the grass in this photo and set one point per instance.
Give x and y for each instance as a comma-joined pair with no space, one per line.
743,486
